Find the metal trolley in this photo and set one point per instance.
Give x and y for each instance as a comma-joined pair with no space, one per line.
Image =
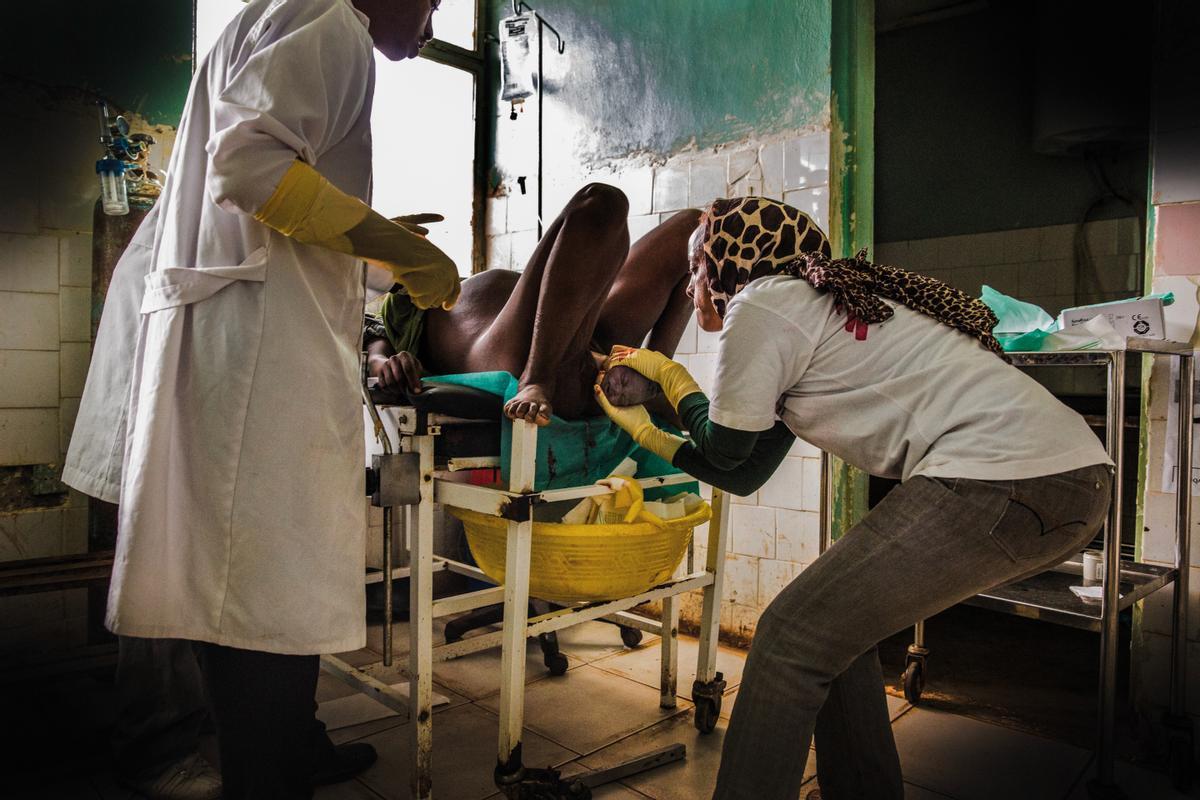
407,482
1048,596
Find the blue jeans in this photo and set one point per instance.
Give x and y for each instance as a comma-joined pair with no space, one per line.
814,668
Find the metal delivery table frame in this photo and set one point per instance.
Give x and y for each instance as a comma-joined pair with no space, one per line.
411,478
1048,597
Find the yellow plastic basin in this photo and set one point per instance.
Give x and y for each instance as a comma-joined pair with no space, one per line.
584,563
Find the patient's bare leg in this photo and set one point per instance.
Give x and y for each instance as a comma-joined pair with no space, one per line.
558,300
648,305
579,293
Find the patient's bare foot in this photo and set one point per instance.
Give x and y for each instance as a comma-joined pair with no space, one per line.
624,386
531,403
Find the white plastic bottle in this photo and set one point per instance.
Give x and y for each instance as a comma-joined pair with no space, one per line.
114,196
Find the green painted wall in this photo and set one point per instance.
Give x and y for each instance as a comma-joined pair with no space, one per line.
954,132
136,54
652,76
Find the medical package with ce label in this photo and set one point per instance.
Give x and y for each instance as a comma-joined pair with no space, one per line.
1141,318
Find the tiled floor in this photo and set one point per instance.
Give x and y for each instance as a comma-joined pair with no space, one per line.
606,709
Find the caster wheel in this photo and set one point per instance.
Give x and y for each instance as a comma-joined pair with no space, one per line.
1181,763
914,682
707,713
632,637
557,664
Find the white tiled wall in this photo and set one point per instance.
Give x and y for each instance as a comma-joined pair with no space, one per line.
45,327
1036,265
774,533
1032,264
45,323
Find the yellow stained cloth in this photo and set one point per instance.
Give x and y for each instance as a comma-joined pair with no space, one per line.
676,382
308,208
636,421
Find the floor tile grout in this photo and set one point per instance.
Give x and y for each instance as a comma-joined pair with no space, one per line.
525,729
1081,778
636,791
1018,731
904,711
620,739
931,791
364,785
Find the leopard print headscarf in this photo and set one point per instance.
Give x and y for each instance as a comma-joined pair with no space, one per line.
750,237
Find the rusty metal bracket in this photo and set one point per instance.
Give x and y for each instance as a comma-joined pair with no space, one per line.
520,509
541,784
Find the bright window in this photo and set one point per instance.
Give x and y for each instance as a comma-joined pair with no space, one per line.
423,125
454,22
211,18
423,128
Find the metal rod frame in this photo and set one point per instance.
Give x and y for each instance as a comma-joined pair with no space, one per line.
1183,539
1109,621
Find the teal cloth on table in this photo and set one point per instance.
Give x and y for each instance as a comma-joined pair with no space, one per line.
1020,326
575,452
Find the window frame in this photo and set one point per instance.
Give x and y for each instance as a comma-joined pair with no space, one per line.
475,62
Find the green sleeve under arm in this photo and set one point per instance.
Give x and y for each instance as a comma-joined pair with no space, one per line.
732,460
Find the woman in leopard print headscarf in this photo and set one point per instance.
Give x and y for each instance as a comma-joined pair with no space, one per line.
998,478
745,238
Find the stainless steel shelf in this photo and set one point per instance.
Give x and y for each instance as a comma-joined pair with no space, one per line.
1048,596
1075,358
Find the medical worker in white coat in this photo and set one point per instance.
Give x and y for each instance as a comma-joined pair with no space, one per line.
236,439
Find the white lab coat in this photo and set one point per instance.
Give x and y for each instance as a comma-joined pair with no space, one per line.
241,483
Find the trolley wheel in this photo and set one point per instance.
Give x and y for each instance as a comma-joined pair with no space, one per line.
708,711
632,637
556,663
914,682
1181,762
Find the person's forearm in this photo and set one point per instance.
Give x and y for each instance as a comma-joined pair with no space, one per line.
724,448
733,460
748,475
307,207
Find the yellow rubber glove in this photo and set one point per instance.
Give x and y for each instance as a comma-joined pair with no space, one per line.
676,382
308,208
635,420
417,222
626,502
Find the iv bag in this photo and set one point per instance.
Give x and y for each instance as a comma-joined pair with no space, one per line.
518,65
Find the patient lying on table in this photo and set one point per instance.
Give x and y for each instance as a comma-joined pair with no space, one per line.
583,290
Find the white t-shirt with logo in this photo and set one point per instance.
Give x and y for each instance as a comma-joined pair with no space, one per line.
916,397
